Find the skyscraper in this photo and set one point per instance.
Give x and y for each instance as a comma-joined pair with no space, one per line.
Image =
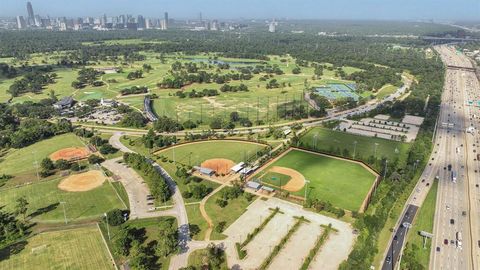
31,15
141,22
21,22
166,21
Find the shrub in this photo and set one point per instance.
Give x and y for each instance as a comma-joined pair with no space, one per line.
115,217
94,159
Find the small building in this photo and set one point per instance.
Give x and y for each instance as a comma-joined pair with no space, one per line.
253,185
107,102
268,189
248,170
64,103
204,171
238,167
287,131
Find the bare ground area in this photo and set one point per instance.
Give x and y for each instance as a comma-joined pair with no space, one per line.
296,182
221,166
72,153
82,182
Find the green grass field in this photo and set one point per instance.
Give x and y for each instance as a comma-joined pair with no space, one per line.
21,162
385,91
275,179
234,209
327,140
197,152
195,217
81,248
424,222
44,201
343,183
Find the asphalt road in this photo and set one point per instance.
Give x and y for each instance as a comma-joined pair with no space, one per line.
399,238
450,148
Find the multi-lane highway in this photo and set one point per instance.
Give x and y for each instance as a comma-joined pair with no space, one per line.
448,161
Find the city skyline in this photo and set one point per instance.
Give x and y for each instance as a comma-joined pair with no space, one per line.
306,9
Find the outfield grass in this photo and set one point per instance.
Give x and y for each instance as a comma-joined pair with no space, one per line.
81,248
197,152
328,140
344,184
424,222
44,201
21,162
234,209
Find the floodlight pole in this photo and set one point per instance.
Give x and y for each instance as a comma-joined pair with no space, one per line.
108,228
306,187
375,152
354,148
64,212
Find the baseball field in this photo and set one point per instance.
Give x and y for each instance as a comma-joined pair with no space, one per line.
325,140
81,248
198,152
44,200
343,183
21,162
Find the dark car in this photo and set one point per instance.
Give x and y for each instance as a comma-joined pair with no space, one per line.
389,259
445,241
438,249
395,237
452,221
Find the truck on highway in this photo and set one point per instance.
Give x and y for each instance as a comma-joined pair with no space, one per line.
454,177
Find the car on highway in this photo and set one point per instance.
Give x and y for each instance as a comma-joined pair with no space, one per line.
452,221
395,237
438,249
445,241
389,259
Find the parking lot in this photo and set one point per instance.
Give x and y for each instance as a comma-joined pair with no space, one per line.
293,253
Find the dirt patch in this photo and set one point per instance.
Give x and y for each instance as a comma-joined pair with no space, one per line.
82,182
219,165
70,154
296,182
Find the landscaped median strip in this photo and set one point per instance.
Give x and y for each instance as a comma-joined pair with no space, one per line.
242,253
318,244
282,243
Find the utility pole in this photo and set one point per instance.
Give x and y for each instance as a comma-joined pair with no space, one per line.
306,185
354,148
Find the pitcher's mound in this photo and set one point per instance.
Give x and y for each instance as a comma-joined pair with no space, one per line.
70,154
82,182
219,165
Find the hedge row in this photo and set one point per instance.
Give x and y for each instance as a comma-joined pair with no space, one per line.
313,252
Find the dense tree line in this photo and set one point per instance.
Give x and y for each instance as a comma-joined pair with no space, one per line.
374,78
134,90
31,82
151,139
157,184
197,94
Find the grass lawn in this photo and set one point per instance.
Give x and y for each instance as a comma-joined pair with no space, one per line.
197,259
21,162
195,217
385,91
328,140
44,201
424,222
345,184
197,152
81,248
151,230
234,209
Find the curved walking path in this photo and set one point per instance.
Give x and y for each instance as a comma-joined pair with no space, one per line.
204,213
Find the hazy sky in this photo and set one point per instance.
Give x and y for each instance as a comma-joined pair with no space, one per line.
222,9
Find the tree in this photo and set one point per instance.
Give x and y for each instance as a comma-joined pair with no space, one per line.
194,229
234,116
133,119
94,159
168,237
21,206
115,217
47,164
122,242
216,123
62,164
